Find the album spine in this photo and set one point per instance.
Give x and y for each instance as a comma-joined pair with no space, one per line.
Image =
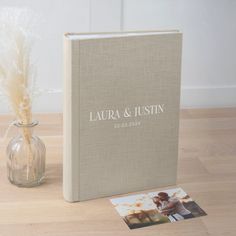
70,123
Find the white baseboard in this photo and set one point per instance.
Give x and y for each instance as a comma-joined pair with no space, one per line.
208,97
46,102
191,97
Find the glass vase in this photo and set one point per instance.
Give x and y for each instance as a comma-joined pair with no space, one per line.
26,157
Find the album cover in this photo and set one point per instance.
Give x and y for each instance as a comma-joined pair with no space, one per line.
121,112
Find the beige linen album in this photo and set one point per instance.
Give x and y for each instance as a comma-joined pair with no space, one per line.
121,112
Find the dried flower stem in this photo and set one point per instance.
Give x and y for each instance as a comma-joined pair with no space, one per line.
16,69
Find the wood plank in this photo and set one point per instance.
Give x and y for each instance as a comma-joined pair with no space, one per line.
206,171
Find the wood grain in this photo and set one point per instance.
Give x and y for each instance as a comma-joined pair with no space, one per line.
206,170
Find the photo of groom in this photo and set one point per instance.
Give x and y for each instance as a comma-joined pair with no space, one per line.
171,207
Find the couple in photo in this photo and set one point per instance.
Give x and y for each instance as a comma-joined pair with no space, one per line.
171,207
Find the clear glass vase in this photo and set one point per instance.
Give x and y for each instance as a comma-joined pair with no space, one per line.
26,157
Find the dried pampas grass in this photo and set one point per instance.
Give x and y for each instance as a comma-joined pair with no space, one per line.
16,69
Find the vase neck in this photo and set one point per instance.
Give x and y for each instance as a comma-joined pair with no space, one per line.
26,129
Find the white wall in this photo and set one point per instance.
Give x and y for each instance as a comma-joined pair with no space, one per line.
209,28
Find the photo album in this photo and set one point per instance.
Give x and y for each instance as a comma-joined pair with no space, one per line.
121,112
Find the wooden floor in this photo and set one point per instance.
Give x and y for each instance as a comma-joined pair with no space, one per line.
207,171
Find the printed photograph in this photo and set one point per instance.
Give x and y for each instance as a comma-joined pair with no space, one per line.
156,208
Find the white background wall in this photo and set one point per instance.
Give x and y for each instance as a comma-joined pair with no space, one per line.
209,45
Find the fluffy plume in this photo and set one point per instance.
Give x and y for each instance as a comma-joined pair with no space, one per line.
16,69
